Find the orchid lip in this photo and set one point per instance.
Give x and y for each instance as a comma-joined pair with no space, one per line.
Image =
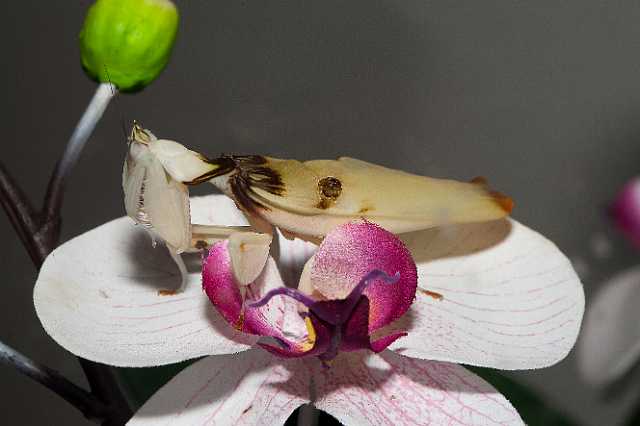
333,318
334,313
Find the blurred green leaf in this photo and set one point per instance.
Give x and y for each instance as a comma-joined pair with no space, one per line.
533,410
140,383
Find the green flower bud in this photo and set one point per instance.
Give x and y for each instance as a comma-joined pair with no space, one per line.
128,42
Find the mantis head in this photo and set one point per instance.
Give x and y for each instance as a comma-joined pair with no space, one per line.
155,177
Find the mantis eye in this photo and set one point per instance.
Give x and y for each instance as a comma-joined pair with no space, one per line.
153,198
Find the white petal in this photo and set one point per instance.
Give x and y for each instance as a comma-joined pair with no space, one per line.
610,341
243,389
511,299
390,389
97,296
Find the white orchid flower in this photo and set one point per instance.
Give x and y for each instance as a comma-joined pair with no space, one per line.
493,294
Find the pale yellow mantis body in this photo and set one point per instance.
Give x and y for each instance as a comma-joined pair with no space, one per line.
302,199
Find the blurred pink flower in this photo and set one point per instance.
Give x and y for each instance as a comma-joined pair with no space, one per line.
625,210
610,343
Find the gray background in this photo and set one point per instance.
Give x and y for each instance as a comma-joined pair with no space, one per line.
542,97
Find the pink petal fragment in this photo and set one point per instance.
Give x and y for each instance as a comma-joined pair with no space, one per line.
510,298
389,389
610,341
251,388
219,283
384,342
626,210
97,296
355,332
279,318
353,250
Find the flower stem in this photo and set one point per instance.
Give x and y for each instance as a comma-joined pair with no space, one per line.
104,93
89,405
20,213
40,235
308,415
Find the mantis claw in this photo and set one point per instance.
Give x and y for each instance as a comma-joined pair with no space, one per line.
184,275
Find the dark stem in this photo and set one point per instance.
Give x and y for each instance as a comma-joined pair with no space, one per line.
104,385
20,213
308,415
90,406
40,234
55,191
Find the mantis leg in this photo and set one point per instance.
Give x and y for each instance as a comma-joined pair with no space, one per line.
184,274
204,236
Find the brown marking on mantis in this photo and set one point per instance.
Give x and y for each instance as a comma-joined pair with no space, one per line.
505,202
167,292
240,322
329,189
432,294
223,165
253,172
201,245
324,204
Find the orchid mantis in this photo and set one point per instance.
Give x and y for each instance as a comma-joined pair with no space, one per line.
302,199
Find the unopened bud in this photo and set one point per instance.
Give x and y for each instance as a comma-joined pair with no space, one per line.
128,42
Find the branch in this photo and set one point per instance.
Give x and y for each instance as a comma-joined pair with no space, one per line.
55,191
40,234
90,406
20,213
104,385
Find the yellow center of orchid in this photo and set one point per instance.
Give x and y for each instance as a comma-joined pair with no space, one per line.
311,336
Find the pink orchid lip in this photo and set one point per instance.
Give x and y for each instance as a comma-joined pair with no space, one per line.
223,291
336,316
350,252
373,264
332,313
